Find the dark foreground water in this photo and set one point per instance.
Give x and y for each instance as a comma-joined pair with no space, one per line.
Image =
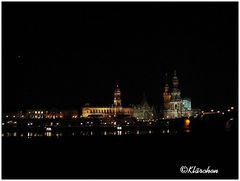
147,155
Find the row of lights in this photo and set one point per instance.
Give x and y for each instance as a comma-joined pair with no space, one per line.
229,110
39,117
22,116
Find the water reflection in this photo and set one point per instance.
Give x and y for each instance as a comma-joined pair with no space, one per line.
187,123
48,134
187,131
30,135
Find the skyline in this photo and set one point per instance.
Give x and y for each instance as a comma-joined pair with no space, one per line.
76,53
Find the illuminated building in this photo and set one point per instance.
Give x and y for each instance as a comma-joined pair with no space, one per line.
54,114
174,105
51,114
18,114
187,104
187,108
117,102
115,110
143,111
70,114
36,113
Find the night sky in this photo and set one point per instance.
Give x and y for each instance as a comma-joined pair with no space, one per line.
64,55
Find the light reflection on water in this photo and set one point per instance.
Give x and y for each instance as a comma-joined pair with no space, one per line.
30,135
48,134
187,130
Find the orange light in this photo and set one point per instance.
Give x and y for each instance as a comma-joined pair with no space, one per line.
186,123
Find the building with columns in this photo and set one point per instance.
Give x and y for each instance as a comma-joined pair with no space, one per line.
174,105
107,112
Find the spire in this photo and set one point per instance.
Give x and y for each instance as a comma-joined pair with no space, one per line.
166,94
144,97
175,81
117,88
166,78
144,100
166,83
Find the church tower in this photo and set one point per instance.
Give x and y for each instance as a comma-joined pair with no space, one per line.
176,100
176,93
166,95
117,102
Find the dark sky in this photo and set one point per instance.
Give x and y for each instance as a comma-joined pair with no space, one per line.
66,54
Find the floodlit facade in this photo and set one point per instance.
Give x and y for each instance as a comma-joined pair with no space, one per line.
36,113
187,104
51,114
115,110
